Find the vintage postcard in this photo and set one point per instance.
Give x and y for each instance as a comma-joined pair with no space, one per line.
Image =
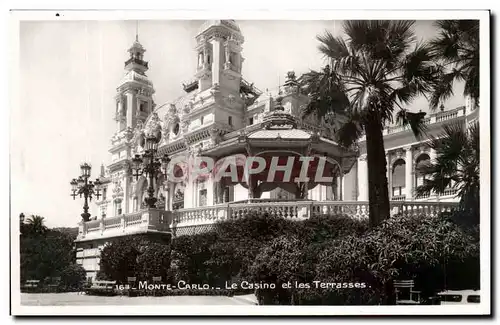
169,163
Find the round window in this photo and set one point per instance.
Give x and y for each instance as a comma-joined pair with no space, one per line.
176,129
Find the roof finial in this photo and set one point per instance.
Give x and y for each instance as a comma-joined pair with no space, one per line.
137,31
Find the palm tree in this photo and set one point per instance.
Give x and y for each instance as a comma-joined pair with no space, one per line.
457,49
456,166
376,68
36,224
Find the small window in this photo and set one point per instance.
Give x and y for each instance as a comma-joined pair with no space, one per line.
104,192
230,120
473,299
142,107
176,128
203,198
226,194
250,121
201,120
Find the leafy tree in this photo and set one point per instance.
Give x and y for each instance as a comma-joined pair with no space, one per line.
376,68
457,49
239,241
433,251
73,277
427,249
456,166
318,229
45,255
284,260
119,259
189,257
154,261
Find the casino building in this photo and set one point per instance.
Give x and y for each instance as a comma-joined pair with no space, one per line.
222,115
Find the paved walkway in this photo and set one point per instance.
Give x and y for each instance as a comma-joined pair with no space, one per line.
73,299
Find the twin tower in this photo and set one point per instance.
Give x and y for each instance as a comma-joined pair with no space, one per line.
219,63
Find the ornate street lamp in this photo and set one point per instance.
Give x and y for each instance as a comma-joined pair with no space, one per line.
83,186
151,165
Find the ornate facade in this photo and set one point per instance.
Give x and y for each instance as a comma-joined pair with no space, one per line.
222,115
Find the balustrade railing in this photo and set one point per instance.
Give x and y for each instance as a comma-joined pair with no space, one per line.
159,220
146,219
431,119
301,209
399,197
450,191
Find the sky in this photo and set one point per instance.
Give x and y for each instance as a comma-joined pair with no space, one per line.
68,73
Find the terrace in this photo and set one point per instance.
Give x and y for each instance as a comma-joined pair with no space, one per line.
191,220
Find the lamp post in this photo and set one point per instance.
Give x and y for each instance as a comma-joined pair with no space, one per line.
150,165
83,186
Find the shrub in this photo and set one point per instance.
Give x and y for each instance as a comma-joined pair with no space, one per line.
73,278
404,247
119,260
279,263
319,229
189,256
360,265
45,255
154,262
239,241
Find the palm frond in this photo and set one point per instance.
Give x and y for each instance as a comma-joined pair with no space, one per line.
350,131
443,87
325,92
416,121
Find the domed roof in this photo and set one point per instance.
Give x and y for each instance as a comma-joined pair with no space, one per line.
229,23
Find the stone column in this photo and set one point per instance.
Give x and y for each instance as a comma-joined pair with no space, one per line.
215,186
341,186
409,173
355,187
250,187
432,156
209,185
126,192
130,109
119,113
205,56
216,64
362,178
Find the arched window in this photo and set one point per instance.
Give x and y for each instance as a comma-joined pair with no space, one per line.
118,207
398,177
135,205
422,161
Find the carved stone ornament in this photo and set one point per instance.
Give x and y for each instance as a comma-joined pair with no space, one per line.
185,125
231,99
153,128
215,136
138,135
179,195
117,190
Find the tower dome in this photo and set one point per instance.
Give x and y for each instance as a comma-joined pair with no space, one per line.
231,24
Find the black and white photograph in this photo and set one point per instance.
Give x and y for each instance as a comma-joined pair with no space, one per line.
194,164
